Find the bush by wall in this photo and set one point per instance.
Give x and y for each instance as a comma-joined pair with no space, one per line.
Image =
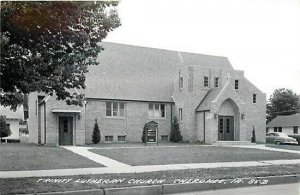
175,135
96,137
253,138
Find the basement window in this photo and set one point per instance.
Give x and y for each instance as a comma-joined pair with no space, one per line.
121,138
109,138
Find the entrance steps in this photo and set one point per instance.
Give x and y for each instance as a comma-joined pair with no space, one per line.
232,143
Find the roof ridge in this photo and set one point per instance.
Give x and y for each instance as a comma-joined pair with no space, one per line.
146,47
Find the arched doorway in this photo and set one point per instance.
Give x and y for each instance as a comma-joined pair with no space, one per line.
228,121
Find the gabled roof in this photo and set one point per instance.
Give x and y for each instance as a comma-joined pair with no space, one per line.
205,104
10,114
285,121
216,96
140,73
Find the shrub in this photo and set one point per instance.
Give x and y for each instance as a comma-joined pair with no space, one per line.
144,133
253,138
96,137
175,135
4,128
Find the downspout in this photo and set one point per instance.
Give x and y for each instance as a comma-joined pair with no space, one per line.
45,132
204,125
126,120
45,120
74,130
171,116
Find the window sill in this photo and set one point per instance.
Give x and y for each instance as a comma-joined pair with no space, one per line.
115,117
161,118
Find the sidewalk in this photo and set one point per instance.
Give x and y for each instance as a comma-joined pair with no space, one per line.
83,151
139,169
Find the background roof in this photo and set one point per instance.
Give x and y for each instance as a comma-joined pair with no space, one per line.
285,121
141,73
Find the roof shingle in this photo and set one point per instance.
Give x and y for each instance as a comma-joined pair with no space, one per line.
140,73
285,121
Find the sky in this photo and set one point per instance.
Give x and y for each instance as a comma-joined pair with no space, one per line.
261,37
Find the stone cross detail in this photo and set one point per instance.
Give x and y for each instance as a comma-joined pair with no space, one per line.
228,76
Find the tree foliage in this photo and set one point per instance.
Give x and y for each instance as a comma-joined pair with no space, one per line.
253,138
282,102
96,137
48,46
4,128
175,135
144,133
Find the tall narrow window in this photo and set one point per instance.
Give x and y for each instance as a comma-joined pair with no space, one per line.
151,115
227,126
217,82
121,109
254,98
115,109
279,129
275,129
180,114
236,84
180,82
162,110
295,129
108,108
205,83
221,125
156,110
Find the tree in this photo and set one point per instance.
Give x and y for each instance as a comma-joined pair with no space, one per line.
96,137
48,46
282,102
4,128
144,133
175,135
253,138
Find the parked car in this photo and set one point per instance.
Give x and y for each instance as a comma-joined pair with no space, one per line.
279,138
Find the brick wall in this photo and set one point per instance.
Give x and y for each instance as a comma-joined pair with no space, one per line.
136,115
189,97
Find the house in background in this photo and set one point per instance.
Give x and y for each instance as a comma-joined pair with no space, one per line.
135,85
289,124
13,119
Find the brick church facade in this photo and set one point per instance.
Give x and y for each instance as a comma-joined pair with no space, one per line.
135,85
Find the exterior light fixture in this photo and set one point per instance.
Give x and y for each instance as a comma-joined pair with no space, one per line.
215,115
242,116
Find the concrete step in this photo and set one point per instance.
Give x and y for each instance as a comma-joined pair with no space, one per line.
221,143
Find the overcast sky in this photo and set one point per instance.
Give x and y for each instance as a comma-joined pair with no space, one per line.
261,37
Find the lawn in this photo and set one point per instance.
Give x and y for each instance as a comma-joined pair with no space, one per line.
21,157
190,154
31,185
286,147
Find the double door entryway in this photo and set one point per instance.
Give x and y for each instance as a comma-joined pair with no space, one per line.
226,128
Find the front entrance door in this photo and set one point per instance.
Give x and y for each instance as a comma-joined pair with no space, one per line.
65,130
226,128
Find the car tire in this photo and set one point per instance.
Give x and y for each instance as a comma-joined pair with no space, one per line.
277,142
